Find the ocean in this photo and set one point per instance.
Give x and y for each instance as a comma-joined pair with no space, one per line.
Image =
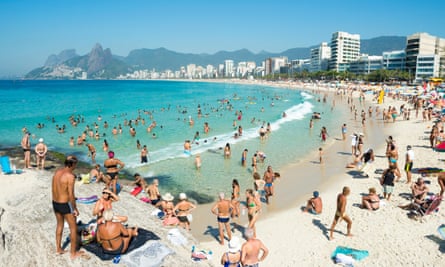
171,105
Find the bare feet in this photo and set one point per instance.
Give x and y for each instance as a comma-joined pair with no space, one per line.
60,251
349,235
80,254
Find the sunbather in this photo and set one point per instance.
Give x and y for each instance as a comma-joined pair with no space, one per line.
419,191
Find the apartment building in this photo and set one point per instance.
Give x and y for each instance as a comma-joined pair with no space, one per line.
345,48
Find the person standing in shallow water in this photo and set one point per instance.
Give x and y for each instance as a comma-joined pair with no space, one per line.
64,205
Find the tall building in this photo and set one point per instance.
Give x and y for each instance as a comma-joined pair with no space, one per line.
229,68
345,48
320,57
425,51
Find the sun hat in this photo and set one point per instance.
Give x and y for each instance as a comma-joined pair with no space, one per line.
316,194
41,140
234,245
182,196
168,197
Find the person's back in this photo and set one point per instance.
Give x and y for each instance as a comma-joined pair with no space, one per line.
318,204
251,249
223,207
60,192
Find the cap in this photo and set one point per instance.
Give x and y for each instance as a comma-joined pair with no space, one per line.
182,196
234,245
41,140
316,194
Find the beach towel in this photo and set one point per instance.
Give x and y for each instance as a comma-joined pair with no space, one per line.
136,190
175,236
441,230
354,253
136,242
151,254
87,200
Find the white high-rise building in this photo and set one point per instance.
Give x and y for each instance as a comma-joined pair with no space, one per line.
320,57
345,48
228,68
426,52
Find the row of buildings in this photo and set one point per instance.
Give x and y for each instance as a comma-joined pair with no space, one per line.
423,57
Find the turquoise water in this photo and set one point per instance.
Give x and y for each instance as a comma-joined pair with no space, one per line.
171,105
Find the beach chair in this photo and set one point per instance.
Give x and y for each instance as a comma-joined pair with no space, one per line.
428,207
6,165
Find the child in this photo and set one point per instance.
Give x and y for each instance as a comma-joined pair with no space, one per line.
320,153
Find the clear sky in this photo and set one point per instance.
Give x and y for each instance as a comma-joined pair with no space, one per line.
31,30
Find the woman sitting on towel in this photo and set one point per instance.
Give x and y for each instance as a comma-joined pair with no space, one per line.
113,236
104,203
371,201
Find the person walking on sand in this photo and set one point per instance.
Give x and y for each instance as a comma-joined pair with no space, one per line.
26,146
409,163
343,131
222,210
251,250
340,213
41,149
64,205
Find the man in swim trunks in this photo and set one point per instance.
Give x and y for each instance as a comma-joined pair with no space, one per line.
26,146
250,251
222,210
64,204
144,153
41,149
419,191
244,157
409,163
314,204
268,178
92,151
341,212
153,192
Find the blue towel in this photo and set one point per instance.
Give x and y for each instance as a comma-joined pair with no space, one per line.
356,254
6,165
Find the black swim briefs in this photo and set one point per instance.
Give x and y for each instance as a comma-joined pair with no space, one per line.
62,208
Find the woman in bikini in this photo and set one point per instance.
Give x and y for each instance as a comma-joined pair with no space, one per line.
104,203
113,167
227,151
183,209
253,209
113,236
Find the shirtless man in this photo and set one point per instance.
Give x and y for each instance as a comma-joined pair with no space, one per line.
419,191
64,204
250,251
144,153
314,204
26,145
268,186
153,192
92,151
222,210
41,149
341,212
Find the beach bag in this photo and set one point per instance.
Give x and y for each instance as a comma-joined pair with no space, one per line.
86,236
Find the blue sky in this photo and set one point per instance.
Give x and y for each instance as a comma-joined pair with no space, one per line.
31,30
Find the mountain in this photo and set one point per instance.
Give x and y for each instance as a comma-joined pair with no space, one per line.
378,45
98,64
63,56
102,64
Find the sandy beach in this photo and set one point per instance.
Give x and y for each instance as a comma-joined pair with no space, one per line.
294,238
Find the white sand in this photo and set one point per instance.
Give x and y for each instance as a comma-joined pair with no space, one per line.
294,238
392,239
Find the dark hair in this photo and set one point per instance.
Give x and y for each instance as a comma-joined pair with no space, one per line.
235,181
70,161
